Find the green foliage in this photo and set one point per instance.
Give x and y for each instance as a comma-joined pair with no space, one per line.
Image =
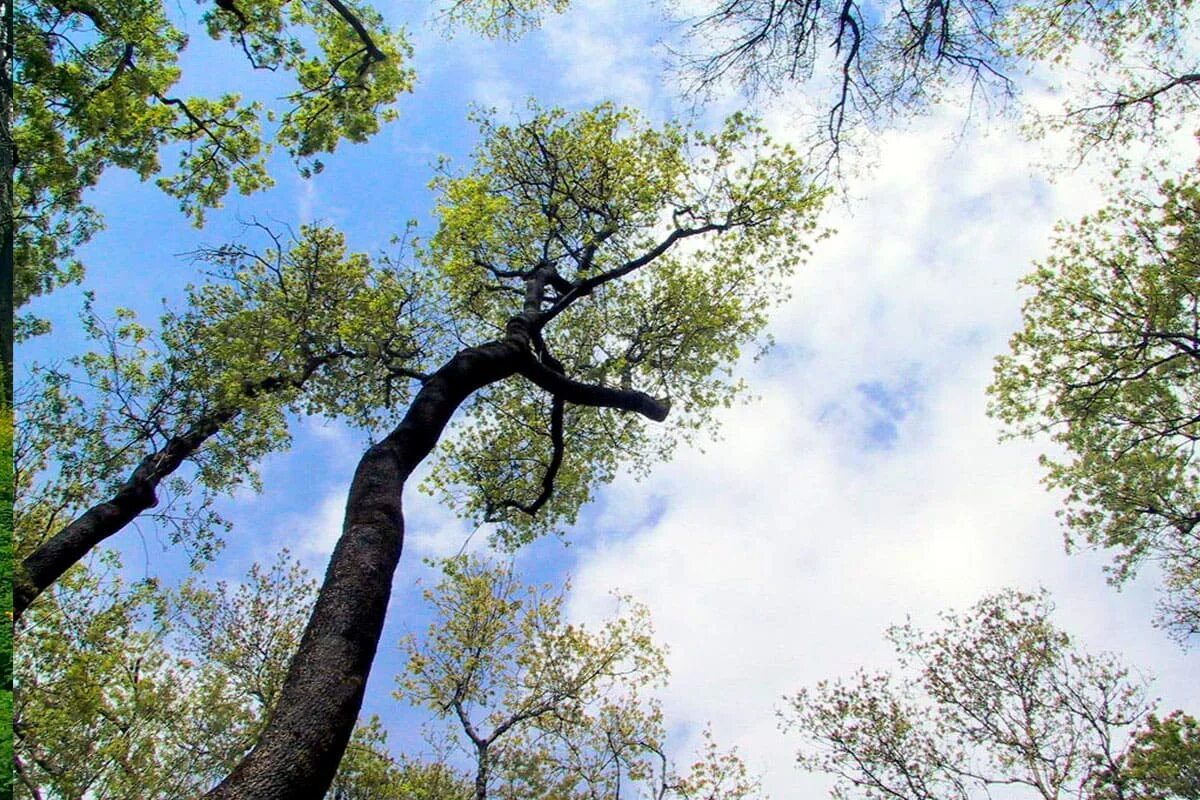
1164,761
999,697
1108,362
135,691
6,598
605,203
547,708
369,772
6,547
101,705
500,19
302,328
1137,89
83,64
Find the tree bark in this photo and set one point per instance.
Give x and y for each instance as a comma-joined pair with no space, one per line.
308,729
8,165
41,568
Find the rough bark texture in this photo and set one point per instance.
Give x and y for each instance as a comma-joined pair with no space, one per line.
8,163
296,759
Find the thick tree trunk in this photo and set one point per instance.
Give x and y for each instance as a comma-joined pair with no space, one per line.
8,165
308,729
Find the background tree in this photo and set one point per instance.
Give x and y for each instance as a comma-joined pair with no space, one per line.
303,327
1108,362
370,772
545,708
559,254
869,65
997,699
6,572
83,64
1164,761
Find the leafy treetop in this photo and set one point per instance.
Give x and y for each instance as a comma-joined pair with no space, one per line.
576,226
303,327
1108,362
94,88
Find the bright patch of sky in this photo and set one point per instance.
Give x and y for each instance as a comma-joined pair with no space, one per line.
865,483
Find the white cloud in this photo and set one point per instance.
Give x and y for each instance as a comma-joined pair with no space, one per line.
787,548
316,533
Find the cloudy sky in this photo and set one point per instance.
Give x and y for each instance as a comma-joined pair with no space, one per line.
863,485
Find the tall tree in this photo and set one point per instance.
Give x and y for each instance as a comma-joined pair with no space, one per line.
8,158
546,708
560,253
303,326
998,700
1108,362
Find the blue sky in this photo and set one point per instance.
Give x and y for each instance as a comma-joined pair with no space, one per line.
866,482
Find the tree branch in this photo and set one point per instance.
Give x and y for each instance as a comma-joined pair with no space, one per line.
586,394
586,287
556,459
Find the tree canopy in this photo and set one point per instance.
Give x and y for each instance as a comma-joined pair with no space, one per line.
546,708
301,327
1108,362
84,64
998,699
146,691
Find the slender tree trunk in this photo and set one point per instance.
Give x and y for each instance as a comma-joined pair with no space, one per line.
41,568
8,165
481,771
310,725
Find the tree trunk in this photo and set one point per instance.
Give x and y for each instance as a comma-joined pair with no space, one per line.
48,562
8,164
308,729
481,771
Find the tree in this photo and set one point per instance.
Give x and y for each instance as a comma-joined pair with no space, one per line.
6,572
1164,761
1108,362
998,698
546,708
885,63
85,62
302,327
563,241
369,772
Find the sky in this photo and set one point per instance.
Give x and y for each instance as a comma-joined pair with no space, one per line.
863,485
